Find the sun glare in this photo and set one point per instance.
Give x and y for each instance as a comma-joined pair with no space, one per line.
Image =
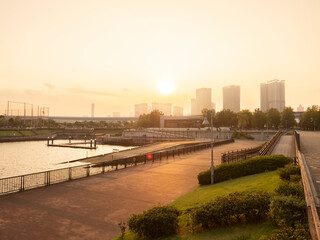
165,87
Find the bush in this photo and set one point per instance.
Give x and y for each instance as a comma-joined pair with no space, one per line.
287,210
241,135
298,232
288,171
160,221
246,167
291,188
238,207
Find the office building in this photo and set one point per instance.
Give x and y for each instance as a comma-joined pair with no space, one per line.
203,100
193,106
177,111
165,108
140,109
231,98
272,95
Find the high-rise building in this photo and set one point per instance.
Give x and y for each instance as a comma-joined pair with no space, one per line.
165,108
203,99
116,114
214,106
272,95
177,111
231,98
193,106
140,109
92,110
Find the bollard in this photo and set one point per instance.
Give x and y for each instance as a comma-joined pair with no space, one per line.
48,141
90,143
52,140
69,139
95,143
85,138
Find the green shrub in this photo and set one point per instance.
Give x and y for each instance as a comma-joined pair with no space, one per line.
246,167
291,188
288,171
238,207
298,232
287,210
241,135
160,221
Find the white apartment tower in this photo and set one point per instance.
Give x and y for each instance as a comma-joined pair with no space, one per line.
272,95
140,109
231,98
165,108
203,99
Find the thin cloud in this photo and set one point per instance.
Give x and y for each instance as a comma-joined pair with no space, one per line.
92,92
48,85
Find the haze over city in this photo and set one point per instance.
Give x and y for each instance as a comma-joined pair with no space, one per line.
68,55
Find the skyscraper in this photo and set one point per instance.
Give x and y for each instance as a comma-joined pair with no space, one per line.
165,108
203,99
231,98
193,106
272,95
177,111
140,109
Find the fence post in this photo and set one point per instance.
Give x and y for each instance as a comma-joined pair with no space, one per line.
145,159
70,173
125,163
153,157
88,171
160,156
48,178
167,154
117,162
22,183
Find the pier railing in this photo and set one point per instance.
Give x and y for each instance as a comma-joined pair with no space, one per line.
47,178
268,147
239,155
313,217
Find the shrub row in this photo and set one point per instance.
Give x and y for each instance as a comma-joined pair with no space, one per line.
160,221
241,135
238,207
246,167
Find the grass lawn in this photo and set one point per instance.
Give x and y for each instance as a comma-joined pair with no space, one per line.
43,132
27,133
267,181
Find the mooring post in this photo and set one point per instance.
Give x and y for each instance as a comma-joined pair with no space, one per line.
48,141
52,140
95,143
85,138
69,139
91,143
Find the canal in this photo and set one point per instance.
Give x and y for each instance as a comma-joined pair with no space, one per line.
18,158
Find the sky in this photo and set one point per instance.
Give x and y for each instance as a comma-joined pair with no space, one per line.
68,54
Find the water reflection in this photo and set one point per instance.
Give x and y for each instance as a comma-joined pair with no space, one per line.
20,158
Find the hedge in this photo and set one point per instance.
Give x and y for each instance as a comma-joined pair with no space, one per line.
238,207
160,221
250,166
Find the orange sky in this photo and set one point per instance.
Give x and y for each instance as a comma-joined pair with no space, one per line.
69,54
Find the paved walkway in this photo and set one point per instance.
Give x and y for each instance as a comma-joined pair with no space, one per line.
91,208
285,146
310,146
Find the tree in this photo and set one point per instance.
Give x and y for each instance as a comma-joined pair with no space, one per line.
150,120
259,118
311,118
207,113
2,121
273,117
287,117
245,119
226,118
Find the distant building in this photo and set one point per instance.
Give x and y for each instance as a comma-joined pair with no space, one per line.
300,108
92,110
180,122
193,106
272,95
231,98
140,109
177,111
213,106
116,114
165,108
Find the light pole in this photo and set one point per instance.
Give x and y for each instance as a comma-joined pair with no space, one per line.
314,123
205,122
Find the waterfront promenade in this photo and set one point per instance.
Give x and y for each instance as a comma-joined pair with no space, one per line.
91,208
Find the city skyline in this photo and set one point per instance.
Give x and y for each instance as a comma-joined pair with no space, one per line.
114,54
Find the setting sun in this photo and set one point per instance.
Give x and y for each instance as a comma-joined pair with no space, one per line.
165,87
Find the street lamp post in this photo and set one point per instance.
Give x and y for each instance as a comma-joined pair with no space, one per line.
205,122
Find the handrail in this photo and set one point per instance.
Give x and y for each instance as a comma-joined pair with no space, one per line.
47,178
268,147
239,155
314,223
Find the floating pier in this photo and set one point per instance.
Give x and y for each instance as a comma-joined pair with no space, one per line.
92,144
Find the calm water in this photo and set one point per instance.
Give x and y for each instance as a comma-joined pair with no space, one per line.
20,158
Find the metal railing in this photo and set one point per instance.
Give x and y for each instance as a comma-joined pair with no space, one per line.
268,147
313,217
47,178
239,155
